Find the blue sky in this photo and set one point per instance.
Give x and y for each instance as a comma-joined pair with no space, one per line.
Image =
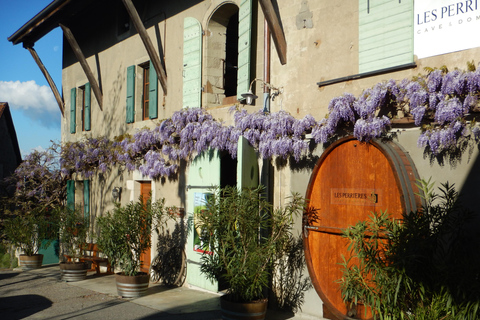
35,113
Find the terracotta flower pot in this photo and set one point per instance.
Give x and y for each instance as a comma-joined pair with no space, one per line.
254,310
31,262
132,286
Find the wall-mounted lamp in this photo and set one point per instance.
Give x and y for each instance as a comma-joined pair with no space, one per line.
116,193
250,96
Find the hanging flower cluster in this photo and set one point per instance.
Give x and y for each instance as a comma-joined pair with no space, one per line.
438,102
157,152
86,156
275,134
38,180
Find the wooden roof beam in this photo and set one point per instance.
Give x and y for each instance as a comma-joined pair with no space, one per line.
278,36
83,62
48,77
154,57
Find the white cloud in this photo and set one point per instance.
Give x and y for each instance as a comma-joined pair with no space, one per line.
35,101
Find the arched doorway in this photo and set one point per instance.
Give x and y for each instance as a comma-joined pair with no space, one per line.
221,59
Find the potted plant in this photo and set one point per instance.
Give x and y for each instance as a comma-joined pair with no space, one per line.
28,231
124,234
73,228
241,234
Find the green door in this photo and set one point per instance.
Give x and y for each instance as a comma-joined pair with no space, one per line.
204,173
212,169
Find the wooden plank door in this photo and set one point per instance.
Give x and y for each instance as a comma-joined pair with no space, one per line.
350,181
146,257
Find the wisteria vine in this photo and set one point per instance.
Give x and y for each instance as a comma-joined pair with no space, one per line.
438,102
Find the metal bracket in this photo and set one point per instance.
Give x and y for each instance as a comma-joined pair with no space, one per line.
200,187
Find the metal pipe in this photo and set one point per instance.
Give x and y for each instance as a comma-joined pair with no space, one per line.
266,67
367,74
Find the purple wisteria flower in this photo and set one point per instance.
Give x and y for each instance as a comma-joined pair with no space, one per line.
366,130
449,110
441,96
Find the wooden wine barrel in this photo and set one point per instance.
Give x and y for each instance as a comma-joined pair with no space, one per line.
350,181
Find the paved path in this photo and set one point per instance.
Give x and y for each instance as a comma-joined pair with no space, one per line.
40,294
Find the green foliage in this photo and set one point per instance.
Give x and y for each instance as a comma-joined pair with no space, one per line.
26,230
125,232
289,282
245,234
419,268
73,228
7,257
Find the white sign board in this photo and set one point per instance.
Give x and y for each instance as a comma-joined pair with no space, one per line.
444,26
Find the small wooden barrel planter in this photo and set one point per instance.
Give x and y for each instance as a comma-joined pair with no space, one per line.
31,262
73,271
132,286
255,310
349,182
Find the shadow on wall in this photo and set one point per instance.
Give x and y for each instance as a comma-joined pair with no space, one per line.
440,243
169,264
290,282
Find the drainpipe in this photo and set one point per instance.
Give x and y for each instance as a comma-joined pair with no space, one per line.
266,67
266,167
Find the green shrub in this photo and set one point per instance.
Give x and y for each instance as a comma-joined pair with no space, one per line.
7,258
242,235
125,232
422,267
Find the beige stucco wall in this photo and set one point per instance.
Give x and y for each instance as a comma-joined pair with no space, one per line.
322,44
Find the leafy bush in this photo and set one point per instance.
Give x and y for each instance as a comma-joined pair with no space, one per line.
242,234
422,267
28,231
125,232
73,227
7,258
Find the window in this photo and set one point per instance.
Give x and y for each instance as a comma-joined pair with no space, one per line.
192,63
123,20
130,94
71,194
83,189
86,110
84,96
385,34
228,53
82,93
86,199
148,93
73,109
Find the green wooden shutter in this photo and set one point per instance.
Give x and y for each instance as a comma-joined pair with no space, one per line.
244,44
192,63
86,199
247,165
73,102
71,194
88,99
130,94
385,34
153,94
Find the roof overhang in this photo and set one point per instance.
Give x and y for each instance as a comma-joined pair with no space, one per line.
56,12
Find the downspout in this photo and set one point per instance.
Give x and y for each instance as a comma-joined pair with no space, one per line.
266,67
266,166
